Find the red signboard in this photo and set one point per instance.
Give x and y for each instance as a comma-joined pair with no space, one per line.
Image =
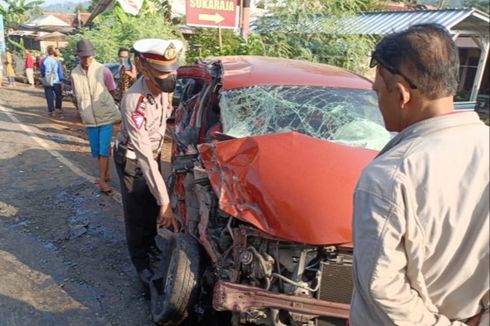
212,13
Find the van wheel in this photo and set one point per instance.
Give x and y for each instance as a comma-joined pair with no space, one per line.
174,296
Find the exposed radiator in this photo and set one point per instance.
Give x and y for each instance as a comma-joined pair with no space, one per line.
336,280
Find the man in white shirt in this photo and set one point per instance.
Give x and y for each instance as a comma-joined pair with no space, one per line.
421,208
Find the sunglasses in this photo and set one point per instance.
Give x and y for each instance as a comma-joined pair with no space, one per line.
376,60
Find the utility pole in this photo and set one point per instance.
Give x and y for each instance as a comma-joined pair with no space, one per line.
79,19
245,17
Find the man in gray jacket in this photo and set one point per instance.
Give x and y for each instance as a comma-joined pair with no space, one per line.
421,208
93,87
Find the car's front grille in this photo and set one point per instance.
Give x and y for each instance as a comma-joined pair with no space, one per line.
336,280
331,321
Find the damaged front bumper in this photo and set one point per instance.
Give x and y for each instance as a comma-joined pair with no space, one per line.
242,298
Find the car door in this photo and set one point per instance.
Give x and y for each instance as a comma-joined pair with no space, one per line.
195,81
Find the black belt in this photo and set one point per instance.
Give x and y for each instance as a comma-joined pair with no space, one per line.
130,154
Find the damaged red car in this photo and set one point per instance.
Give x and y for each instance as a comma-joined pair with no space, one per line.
266,154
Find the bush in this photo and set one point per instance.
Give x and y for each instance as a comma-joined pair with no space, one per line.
311,31
110,33
204,42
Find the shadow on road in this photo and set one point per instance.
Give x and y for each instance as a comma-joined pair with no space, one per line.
21,311
64,234
65,239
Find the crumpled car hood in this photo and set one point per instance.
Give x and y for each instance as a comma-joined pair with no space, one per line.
290,186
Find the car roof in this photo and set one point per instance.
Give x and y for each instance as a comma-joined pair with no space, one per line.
245,71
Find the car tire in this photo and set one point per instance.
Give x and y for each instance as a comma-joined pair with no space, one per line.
174,296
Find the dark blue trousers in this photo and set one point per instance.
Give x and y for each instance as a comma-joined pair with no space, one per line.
53,97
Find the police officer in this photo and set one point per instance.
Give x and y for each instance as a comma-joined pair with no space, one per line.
144,110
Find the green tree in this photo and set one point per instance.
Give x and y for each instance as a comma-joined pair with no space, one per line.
164,7
260,4
293,31
204,42
17,47
116,29
17,12
36,11
311,30
482,5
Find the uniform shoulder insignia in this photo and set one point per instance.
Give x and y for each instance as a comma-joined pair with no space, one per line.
138,116
140,107
138,119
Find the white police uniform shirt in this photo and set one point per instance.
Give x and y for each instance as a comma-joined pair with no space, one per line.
143,127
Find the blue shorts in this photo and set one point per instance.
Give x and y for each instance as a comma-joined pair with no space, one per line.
100,140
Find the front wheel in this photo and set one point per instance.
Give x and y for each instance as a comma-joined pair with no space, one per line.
174,296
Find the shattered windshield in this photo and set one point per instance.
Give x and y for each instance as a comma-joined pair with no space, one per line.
347,116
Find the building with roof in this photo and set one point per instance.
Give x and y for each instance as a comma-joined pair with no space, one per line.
35,33
469,28
73,19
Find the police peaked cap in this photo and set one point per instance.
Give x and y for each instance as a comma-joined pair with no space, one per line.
160,54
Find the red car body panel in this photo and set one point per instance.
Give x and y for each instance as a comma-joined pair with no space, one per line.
246,71
305,198
193,71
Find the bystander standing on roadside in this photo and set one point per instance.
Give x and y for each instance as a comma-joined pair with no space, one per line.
145,109
59,57
93,87
61,62
127,73
421,208
51,78
39,61
29,67
9,67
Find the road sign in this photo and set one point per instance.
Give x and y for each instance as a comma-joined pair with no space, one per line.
212,13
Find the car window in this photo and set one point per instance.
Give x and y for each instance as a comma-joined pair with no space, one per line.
348,116
190,88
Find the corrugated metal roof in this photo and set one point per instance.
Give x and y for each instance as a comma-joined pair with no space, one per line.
382,23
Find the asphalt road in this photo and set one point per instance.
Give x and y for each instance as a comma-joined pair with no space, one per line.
63,256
